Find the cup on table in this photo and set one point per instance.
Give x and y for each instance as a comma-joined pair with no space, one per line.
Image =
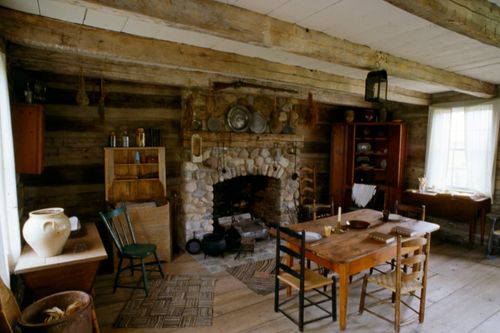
385,215
328,230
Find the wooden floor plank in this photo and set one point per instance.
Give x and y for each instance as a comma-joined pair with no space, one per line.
463,296
490,325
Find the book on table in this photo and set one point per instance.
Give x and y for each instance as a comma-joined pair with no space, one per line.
382,237
404,231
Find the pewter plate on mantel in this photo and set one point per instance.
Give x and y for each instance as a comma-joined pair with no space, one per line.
238,118
258,123
215,124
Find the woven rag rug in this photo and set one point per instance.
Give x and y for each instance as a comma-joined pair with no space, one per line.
258,276
175,301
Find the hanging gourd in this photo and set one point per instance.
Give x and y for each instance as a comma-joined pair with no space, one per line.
311,112
81,96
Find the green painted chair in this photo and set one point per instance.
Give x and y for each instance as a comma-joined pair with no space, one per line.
118,223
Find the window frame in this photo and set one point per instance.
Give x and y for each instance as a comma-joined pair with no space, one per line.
445,112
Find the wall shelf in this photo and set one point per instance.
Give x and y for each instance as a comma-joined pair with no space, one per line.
126,180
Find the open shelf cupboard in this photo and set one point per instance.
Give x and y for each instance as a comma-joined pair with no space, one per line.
367,153
134,174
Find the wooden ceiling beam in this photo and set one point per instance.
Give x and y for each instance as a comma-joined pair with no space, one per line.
64,63
82,41
477,19
245,26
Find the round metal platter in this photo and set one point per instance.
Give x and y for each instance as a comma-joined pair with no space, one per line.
238,118
215,124
258,123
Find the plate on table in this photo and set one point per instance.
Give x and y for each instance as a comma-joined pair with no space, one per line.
358,224
312,236
394,217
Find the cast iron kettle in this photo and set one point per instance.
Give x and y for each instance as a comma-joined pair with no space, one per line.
214,244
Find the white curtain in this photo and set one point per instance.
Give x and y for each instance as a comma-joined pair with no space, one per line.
10,247
461,146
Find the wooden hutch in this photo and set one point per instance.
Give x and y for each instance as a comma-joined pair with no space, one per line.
367,153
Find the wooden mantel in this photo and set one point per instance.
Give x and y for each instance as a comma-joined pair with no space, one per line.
234,139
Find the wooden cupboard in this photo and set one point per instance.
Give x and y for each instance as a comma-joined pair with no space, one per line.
135,174
367,153
28,133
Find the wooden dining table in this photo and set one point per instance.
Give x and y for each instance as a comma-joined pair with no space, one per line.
353,250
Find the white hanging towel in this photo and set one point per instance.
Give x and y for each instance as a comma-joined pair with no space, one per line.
362,194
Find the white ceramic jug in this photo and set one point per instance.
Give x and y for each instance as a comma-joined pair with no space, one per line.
46,231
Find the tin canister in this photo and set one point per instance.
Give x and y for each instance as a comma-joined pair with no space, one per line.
140,138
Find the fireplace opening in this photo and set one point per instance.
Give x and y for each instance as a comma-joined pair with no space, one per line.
255,194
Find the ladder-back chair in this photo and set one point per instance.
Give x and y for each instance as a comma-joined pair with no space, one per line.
408,277
309,206
413,211
302,280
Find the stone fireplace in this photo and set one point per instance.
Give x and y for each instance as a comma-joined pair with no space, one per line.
269,167
254,194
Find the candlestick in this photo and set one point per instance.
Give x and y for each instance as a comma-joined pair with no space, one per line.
338,228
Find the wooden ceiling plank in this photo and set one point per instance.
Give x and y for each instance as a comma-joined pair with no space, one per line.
78,40
477,19
257,29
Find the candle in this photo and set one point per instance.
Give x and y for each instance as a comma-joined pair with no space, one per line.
339,213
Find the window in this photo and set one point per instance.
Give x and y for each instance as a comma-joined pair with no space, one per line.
461,147
10,241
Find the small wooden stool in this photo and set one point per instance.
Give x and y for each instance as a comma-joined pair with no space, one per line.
493,248
247,246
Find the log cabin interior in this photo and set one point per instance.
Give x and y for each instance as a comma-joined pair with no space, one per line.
202,117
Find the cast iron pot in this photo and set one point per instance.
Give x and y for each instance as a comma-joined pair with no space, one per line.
213,244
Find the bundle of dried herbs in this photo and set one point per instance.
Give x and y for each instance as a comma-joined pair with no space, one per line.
55,313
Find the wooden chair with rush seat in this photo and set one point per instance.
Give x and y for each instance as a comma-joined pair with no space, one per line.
409,277
309,207
119,225
307,284
413,211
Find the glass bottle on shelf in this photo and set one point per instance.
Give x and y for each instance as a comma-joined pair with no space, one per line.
125,139
112,139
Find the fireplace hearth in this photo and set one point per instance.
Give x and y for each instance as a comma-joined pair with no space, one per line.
251,179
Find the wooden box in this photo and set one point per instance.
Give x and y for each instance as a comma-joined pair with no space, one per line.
151,224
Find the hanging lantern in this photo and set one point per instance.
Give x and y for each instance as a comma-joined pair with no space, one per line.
376,86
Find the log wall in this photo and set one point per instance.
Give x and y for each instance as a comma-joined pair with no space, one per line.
75,136
73,175
417,118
